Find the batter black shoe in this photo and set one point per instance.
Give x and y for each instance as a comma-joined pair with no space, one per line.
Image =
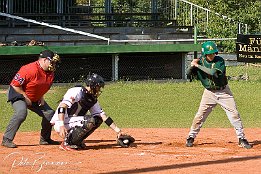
190,142
244,143
48,142
8,143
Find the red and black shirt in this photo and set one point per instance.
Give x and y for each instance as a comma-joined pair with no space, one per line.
33,80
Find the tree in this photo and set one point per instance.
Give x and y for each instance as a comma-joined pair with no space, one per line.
237,12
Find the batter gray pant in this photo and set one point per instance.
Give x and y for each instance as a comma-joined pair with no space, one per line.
20,114
210,99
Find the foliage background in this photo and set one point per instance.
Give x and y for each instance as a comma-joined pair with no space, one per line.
243,12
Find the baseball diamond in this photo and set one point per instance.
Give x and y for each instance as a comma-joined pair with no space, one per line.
156,150
125,87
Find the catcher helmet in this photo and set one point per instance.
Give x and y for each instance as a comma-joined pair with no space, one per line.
209,48
54,58
95,82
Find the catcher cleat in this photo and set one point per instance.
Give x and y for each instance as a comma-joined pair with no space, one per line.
82,146
67,147
8,143
190,142
244,143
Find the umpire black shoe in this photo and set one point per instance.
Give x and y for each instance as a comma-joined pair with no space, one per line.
48,142
190,142
8,143
244,143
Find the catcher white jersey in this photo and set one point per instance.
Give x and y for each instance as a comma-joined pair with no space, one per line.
76,111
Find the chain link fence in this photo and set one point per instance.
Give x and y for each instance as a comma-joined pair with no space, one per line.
8,68
248,72
147,66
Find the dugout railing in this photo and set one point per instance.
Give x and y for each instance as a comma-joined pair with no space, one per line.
91,20
105,13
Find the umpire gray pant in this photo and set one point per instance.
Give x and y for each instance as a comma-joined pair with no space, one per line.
20,114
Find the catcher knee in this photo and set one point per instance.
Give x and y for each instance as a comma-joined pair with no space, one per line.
91,122
88,123
98,121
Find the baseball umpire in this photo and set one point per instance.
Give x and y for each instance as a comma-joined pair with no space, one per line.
211,71
26,91
73,124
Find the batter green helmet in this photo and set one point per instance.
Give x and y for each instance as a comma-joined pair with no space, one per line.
209,48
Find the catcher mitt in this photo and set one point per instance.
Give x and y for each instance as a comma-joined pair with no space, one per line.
125,140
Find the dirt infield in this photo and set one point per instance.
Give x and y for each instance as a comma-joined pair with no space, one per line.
155,151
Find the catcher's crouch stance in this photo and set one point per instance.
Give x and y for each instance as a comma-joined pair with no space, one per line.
72,123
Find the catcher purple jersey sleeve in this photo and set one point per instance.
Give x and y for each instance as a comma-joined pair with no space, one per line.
96,109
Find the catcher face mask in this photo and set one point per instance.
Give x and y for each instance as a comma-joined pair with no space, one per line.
96,91
53,61
52,57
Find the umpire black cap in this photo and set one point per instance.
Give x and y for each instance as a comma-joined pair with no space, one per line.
47,54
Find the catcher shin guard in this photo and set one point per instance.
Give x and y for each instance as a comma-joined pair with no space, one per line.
77,134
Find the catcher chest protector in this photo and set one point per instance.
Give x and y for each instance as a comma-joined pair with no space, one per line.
86,102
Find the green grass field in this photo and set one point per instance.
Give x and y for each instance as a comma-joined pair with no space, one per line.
152,104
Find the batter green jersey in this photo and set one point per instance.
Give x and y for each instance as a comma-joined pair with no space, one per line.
212,74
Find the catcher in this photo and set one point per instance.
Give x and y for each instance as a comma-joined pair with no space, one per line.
72,122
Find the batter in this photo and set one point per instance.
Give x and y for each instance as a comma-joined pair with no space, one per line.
210,69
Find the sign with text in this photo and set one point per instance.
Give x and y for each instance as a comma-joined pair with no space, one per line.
248,48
